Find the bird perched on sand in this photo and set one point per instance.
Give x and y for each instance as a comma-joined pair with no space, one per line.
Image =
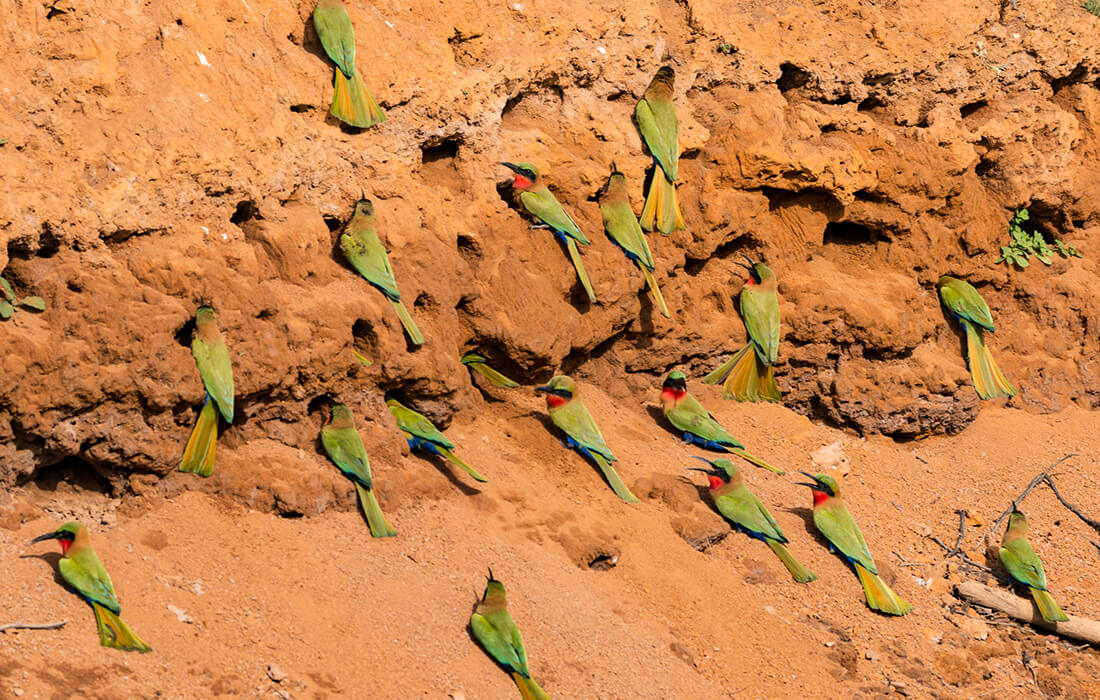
425,437
746,513
84,572
351,102
568,413
748,375
964,303
498,634
538,201
212,358
344,446
1023,564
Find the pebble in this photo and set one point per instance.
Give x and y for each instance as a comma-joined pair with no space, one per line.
275,673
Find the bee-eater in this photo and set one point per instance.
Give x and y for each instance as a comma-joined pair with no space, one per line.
697,424
498,634
746,513
748,375
832,519
212,357
622,227
532,194
344,446
965,304
84,572
480,365
1023,564
351,103
360,245
568,413
656,117
424,436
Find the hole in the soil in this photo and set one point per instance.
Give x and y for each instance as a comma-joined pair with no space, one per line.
179,22
444,150
970,108
879,78
847,233
54,11
48,242
791,77
827,128
1079,71
320,404
604,561
266,313
869,104
469,244
290,515
869,196
984,167
693,266
334,224
300,108
364,339
186,332
511,104
246,211
72,473
424,301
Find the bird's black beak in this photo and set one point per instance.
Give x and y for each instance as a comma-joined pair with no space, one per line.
513,167
815,486
491,577
55,535
544,388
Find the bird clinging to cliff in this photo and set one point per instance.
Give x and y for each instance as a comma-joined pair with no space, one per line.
656,117
497,633
532,194
84,572
697,424
344,446
570,415
424,436
351,102
360,245
212,358
749,375
622,227
745,511
965,304
832,519
1023,564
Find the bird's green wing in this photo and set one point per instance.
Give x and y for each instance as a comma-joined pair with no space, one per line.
575,420
963,300
690,416
659,128
760,311
217,373
543,205
333,26
344,446
418,425
88,577
1021,561
744,508
495,643
621,224
836,523
369,257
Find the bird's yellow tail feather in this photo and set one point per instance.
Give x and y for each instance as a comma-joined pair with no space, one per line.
754,460
582,275
613,479
415,336
1047,607
198,456
529,689
880,596
798,572
352,102
651,281
373,512
115,633
455,459
989,381
661,210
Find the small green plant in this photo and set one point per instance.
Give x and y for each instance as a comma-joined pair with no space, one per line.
726,48
1024,244
10,303
1092,6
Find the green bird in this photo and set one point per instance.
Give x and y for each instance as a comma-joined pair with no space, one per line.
84,572
622,227
965,304
748,375
532,194
351,102
832,519
212,357
424,436
568,413
498,634
697,424
480,365
656,117
360,245
1023,564
344,446
746,513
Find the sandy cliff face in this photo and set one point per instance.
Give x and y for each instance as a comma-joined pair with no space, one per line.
164,154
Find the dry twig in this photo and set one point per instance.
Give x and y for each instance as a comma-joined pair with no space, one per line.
956,551
1091,523
32,626
1034,482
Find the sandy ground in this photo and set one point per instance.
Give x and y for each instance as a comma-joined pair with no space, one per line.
230,597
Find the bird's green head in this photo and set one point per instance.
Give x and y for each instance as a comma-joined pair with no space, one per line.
721,471
665,74
758,270
526,174
493,587
615,181
65,535
944,279
823,486
364,207
675,385
340,413
1017,520
559,391
204,314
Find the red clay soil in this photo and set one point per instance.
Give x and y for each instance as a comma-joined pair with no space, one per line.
160,155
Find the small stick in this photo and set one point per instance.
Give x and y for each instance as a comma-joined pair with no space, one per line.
1094,544
1018,608
956,551
32,626
1034,482
1092,523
